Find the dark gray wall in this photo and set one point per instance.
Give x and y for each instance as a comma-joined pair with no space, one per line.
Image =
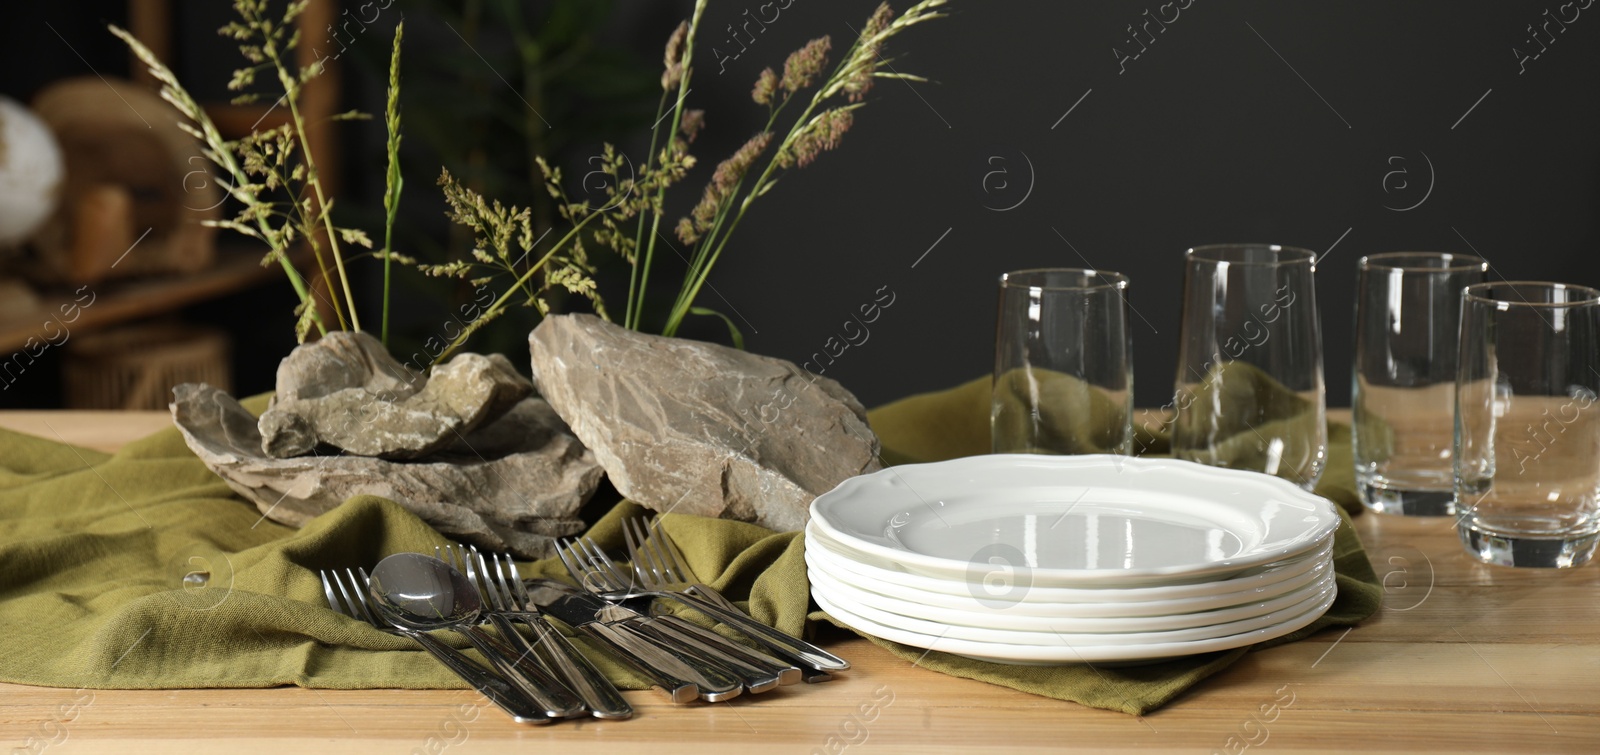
1241,121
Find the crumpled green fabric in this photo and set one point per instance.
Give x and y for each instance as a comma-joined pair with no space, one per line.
1242,417
1043,411
94,549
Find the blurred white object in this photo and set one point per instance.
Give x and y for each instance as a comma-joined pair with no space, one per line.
31,172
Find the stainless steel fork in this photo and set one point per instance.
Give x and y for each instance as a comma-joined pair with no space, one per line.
754,665
656,566
348,594
756,671
656,563
507,599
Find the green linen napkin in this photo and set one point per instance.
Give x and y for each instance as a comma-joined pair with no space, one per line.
1044,411
94,549
1258,408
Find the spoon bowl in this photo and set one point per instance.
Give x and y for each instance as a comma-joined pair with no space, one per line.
423,593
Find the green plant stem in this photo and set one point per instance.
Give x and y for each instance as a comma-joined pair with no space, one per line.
500,303
218,153
290,94
677,121
291,89
396,181
718,239
635,308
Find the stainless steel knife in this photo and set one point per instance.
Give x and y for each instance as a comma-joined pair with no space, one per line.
760,671
682,674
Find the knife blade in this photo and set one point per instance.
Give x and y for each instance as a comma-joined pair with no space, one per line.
682,675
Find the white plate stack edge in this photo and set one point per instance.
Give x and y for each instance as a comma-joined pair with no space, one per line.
1047,560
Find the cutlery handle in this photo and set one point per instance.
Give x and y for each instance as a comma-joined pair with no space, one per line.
715,685
599,694
524,672
634,653
761,672
792,648
499,691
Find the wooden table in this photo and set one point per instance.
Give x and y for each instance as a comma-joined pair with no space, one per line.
1463,657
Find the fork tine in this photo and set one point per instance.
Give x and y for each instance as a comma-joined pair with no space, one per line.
333,599
346,605
676,571
498,596
514,598
658,555
354,595
565,550
600,561
647,567
593,575
465,566
642,568
449,555
363,586
679,573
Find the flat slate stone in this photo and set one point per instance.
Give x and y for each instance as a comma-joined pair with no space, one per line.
699,428
513,485
352,396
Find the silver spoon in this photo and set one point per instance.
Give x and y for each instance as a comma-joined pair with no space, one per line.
422,593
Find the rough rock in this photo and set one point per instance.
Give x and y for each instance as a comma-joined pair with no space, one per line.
344,359
699,428
353,396
512,485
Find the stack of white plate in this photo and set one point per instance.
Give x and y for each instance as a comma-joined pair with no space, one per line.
1067,559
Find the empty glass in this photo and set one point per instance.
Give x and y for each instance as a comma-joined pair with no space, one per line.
1249,391
1527,432
1063,370
1408,323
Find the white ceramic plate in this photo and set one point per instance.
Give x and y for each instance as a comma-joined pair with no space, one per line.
1046,618
1058,636
1052,655
1075,521
864,570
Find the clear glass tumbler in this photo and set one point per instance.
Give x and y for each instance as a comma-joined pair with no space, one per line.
1249,392
1063,369
1527,431
1403,382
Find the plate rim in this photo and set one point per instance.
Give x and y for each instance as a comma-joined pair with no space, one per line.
1313,595
1093,611
1026,653
1283,571
1328,518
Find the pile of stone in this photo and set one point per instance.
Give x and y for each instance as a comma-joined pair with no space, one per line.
677,425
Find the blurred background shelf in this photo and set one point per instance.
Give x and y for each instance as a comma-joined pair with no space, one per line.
238,268
188,305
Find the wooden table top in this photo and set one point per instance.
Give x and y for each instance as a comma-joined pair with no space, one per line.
1462,657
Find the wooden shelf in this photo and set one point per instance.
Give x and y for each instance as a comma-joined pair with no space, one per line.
238,267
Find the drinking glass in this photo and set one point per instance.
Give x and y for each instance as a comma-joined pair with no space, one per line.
1408,321
1249,392
1063,370
1527,432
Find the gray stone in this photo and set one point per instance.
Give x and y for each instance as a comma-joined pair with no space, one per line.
513,485
344,359
354,400
698,428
